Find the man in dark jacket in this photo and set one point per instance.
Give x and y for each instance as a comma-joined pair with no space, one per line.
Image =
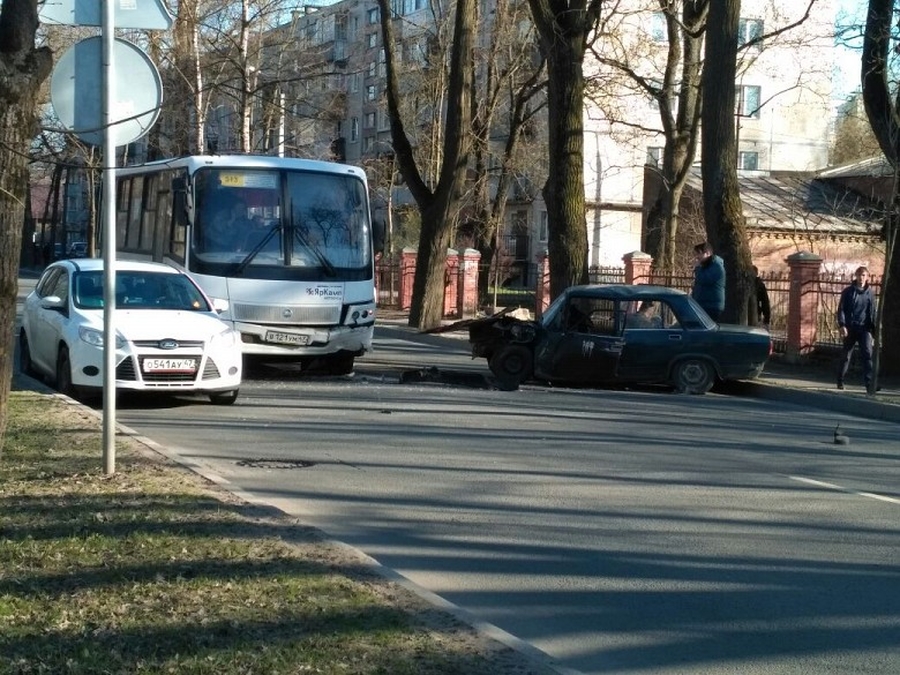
856,319
709,281
763,307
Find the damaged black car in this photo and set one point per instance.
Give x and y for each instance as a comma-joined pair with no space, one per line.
618,334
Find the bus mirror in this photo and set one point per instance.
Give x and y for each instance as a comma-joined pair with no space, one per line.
378,235
180,201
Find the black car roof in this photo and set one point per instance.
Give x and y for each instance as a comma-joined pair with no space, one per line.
625,291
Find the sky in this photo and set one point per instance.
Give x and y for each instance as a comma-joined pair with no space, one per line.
849,60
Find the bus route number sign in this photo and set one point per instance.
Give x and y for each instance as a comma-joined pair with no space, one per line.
232,179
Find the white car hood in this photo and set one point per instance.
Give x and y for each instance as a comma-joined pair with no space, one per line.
156,324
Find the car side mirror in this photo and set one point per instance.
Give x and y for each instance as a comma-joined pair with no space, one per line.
53,302
180,201
220,305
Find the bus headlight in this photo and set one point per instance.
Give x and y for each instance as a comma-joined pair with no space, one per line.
357,314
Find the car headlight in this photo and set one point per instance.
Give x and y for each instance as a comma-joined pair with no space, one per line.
227,338
95,337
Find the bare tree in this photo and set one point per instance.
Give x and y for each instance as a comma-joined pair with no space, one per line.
853,137
675,87
564,29
23,68
722,208
508,85
437,206
883,111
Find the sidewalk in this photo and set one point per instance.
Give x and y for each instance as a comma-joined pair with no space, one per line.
814,384
811,383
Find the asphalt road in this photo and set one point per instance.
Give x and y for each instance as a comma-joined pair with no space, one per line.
617,531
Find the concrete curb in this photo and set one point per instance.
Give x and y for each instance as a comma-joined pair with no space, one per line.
856,406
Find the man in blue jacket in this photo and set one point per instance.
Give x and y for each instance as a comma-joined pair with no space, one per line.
856,319
709,281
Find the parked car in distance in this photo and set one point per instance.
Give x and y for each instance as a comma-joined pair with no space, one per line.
77,249
618,334
169,337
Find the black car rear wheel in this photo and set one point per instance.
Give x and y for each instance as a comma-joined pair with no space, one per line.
511,365
694,376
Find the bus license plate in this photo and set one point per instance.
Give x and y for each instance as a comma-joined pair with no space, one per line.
286,338
170,365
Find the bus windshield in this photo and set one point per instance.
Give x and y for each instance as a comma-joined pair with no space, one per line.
265,223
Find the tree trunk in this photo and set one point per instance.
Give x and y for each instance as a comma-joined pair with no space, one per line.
882,111
438,207
564,29
23,68
722,208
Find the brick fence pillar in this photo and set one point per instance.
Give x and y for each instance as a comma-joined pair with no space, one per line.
467,294
542,285
637,267
803,304
451,282
407,276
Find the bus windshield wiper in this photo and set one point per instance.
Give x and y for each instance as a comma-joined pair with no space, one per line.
305,243
256,249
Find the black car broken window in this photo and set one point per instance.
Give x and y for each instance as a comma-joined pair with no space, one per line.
595,316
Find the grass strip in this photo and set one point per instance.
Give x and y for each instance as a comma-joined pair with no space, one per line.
153,570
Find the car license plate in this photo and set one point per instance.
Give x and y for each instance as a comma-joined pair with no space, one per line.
286,338
170,365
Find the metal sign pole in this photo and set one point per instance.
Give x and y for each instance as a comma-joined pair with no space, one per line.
109,240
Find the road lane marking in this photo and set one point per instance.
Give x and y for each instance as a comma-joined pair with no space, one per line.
832,486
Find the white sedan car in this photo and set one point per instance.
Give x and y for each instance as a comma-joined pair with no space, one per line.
169,337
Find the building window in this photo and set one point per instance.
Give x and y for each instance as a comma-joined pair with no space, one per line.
340,27
748,101
370,120
372,16
368,143
654,156
372,39
354,129
397,8
371,92
544,226
748,161
354,82
370,72
750,30
658,30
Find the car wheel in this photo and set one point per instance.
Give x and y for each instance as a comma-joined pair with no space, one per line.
224,397
694,376
511,365
64,374
26,365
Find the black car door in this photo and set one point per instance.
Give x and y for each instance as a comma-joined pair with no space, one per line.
651,347
585,345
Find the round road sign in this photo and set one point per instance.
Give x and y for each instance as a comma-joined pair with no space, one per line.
76,90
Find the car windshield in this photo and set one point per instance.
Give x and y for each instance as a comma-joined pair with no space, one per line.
141,290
